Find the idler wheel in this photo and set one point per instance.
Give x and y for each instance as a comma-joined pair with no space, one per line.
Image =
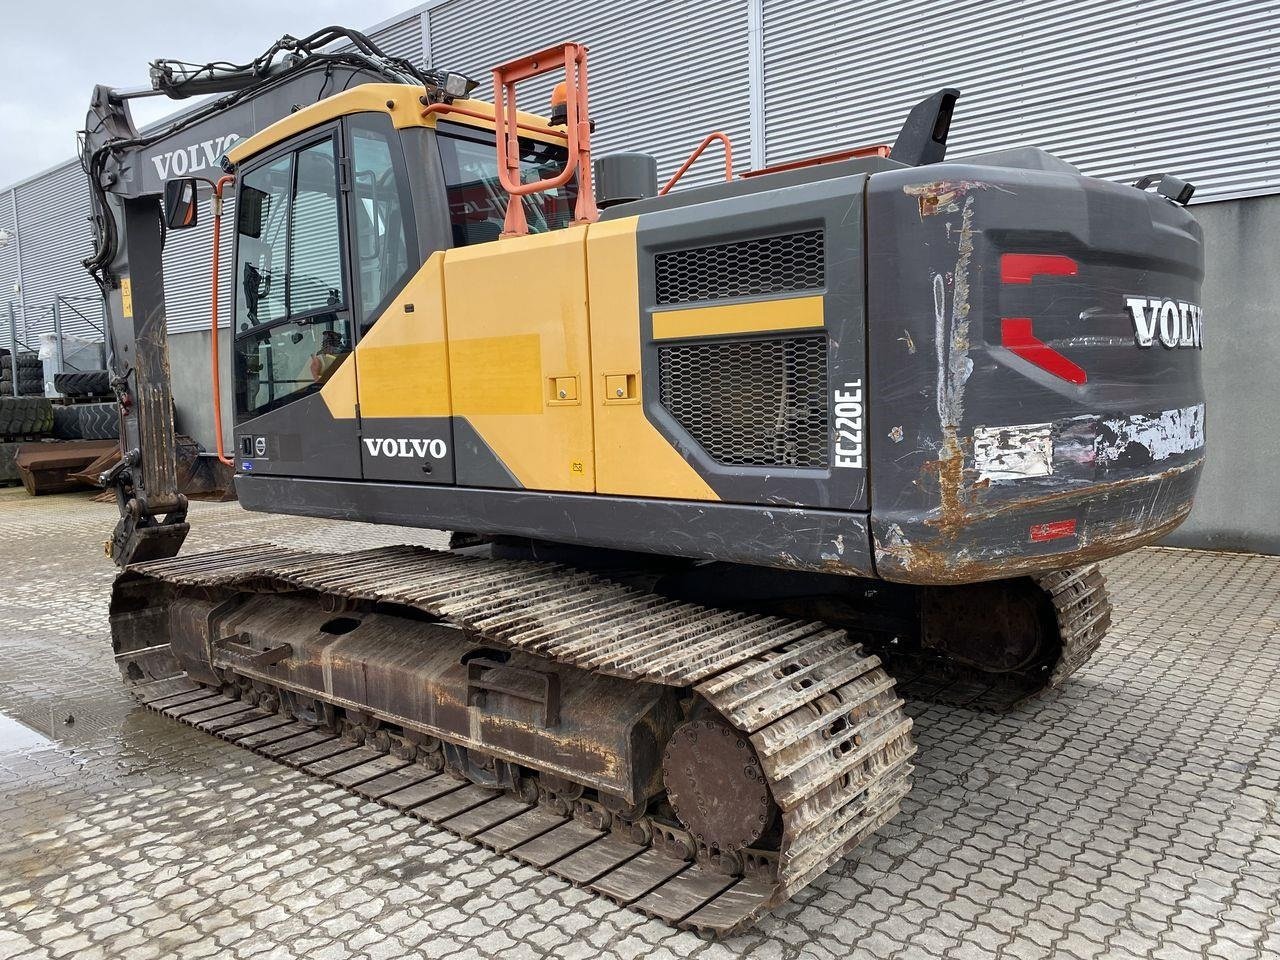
715,784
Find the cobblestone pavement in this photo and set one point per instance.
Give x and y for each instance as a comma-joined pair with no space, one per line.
1133,814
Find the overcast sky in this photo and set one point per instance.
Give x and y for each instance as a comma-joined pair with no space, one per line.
52,52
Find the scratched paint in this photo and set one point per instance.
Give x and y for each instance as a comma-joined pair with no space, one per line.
1149,438
1013,453
940,196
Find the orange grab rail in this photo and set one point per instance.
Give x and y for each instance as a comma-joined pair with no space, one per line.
572,57
213,350
693,157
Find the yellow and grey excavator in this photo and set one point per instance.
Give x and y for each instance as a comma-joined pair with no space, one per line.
720,463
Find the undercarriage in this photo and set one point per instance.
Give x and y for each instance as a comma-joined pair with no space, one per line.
698,763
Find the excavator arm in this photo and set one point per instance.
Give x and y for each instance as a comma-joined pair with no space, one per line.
130,222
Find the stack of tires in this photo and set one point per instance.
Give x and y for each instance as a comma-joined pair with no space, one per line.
89,414
83,384
21,419
86,421
27,369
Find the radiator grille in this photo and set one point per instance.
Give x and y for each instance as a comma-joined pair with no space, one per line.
750,402
746,268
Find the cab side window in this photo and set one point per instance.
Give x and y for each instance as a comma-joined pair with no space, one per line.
380,212
292,328
477,201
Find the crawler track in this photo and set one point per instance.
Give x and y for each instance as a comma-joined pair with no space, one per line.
1082,610
824,720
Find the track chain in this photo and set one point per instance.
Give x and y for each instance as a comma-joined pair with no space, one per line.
1083,613
824,719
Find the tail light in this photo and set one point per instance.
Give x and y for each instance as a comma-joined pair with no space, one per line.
1016,333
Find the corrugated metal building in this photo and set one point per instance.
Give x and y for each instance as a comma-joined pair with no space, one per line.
1119,89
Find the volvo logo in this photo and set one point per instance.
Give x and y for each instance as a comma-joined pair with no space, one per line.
1175,323
417,448
184,161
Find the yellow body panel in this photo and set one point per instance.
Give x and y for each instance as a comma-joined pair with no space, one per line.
794,313
397,100
632,458
339,391
402,363
517,323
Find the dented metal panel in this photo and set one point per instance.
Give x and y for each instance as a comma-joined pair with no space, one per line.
989,464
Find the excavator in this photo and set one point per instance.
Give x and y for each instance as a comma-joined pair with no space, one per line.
731,472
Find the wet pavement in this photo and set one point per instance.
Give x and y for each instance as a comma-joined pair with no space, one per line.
1136,813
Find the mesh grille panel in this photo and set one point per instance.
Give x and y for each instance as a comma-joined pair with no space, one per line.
750,402
743,269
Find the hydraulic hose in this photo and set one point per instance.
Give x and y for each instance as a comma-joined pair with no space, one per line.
215,362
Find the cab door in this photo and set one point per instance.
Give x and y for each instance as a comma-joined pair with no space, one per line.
401,368
295,397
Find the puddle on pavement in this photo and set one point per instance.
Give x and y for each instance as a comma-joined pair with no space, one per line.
16,737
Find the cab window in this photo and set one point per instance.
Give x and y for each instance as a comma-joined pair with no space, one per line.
477,202
380,212
292,325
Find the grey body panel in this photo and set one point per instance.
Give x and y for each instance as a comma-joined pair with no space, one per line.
833,206
942,383
478,465
827,541
299,439
426,454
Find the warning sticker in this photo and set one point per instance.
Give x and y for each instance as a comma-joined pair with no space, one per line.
126,297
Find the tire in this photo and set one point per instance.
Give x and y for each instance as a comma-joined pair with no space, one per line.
66,423
28,362
98,421
87,383
27,386
25,416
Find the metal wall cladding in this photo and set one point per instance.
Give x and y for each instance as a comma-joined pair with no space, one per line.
188,270
54,236
662,75
403,39
1116,88
8,267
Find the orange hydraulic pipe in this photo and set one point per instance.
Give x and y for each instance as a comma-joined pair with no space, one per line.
217,379
693,157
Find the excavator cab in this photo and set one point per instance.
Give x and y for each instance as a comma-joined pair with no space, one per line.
333,223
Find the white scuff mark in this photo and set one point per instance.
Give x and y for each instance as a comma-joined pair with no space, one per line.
840,544
940,339
1014,452
951,334
1143,438
896,434
894,538
894,545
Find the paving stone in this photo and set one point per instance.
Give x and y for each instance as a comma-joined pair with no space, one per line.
1130,814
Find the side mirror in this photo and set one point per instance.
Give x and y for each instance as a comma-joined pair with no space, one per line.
180,207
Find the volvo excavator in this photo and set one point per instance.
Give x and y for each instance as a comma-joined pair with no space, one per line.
729,470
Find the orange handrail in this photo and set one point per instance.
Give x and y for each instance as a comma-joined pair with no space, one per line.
878,150
213,349
710,138
572,58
